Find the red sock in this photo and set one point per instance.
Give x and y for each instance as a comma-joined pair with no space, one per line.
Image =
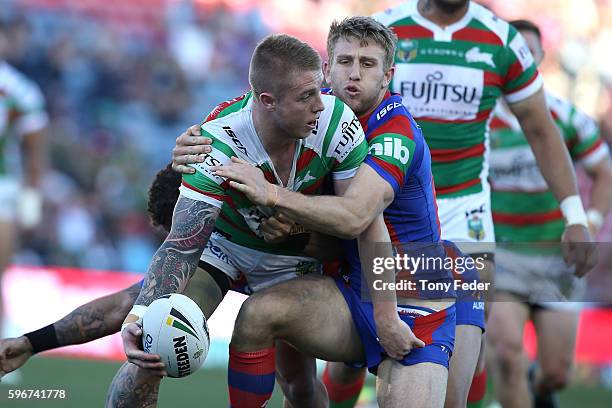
250,378
478,388
342,395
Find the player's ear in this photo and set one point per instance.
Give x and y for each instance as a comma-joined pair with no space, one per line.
388,76
268,101
326,71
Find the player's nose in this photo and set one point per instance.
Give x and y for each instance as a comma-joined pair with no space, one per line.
318,106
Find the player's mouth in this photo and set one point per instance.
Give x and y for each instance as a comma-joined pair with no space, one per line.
352,91
312,124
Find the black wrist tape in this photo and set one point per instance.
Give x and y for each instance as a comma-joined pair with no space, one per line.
43,339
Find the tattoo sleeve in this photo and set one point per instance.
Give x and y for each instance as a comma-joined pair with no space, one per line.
177,259
98,318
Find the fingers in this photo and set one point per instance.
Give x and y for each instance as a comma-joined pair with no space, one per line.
180,168
274,224
586,258
240,161
231,173
416,342
157,368
243,188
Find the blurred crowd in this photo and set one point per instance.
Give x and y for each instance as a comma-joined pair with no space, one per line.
122,79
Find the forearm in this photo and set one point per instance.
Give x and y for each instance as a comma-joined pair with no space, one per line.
177,258
169,272
554,161
601,191
98,318
338,216
35,157
374,243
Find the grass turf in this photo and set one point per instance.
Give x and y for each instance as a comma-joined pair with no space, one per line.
86,382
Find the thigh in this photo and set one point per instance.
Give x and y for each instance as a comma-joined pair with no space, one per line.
463,361
506,322
415,386
556,334
309,313
205,291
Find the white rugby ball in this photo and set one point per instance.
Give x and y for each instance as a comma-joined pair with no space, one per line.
174,327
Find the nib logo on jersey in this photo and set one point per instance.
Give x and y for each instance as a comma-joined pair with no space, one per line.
391,148
440,91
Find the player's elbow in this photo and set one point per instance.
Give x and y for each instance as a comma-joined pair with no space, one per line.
353,227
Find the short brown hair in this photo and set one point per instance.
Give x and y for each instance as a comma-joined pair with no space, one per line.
277,57
527,25
364,29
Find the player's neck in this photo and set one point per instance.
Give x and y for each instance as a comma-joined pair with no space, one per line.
443,18
381,97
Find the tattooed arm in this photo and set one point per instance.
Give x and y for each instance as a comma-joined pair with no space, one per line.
177,258
172,266
98,318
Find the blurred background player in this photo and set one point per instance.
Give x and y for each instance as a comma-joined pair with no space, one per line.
22,121
455,59
532,279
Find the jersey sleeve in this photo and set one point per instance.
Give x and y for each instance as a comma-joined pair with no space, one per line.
26,99
390,156
587,148
203,185
347,144
520,76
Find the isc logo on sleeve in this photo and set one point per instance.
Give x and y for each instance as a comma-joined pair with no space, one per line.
391,148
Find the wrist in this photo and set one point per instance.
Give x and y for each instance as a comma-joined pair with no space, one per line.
595,218
272,195
42,339
27,343
385,310
573,211
134,316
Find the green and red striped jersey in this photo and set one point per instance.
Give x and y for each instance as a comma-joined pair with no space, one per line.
337,145
450,79
524,209
22,108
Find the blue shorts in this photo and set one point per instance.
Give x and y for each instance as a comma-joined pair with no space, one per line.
470,304
471,313
437,330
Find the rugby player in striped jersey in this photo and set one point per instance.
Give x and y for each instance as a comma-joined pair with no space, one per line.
532,279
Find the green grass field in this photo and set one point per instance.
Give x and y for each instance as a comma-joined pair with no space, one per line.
85,383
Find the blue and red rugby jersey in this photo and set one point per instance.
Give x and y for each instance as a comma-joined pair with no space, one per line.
399,154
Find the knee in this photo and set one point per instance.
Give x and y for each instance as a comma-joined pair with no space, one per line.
557,377
258,314
301,389
509,357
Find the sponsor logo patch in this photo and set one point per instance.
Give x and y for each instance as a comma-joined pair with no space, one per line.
474,55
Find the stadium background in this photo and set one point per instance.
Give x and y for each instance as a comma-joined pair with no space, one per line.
123,78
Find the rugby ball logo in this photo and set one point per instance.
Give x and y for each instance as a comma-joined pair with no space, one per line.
175,328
